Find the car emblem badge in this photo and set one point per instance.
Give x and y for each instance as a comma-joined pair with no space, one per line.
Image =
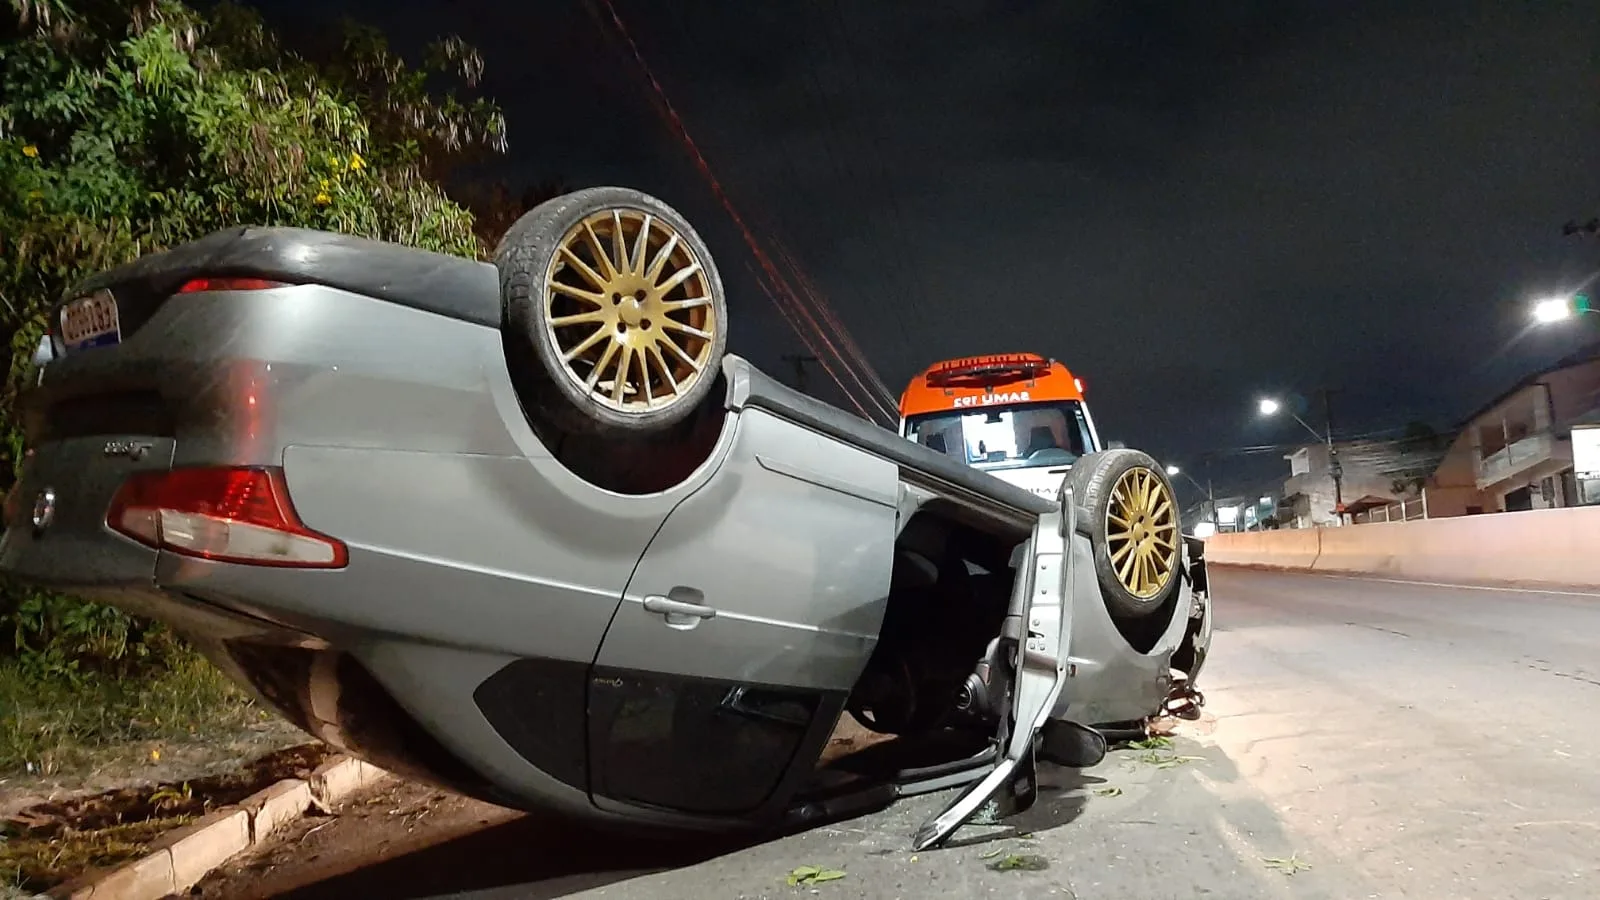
134,450
44,509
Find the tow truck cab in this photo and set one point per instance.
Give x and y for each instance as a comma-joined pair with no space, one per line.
1018,416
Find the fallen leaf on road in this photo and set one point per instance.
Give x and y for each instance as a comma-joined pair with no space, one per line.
1289,865
993,853
1020,862
1112,791
1152,743
1161,760
806,875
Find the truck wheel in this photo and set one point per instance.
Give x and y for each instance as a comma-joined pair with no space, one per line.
1133,525
615,315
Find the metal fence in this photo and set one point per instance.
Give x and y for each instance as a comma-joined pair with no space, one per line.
1403,511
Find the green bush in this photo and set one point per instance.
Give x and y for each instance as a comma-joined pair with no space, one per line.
128,128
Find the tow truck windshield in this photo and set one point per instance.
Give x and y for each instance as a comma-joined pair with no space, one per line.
1018,436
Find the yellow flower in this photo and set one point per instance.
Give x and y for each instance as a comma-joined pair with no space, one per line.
357,163
323,184
322,199
333,161
30,151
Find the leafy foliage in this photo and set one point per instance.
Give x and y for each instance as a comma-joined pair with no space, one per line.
129,128
495,207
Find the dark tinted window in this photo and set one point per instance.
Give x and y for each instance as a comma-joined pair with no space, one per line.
691,745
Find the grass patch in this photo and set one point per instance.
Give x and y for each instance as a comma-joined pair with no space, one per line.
53,726
35,864
52,842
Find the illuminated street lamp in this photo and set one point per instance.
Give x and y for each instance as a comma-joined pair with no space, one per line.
1269,407
1550,310
1211,497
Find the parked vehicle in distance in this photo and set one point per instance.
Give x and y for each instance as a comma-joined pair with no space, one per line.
528,531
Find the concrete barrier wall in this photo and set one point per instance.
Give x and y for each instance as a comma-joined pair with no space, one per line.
1295,548
1549,546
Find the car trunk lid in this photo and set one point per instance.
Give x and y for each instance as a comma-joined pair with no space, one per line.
55,514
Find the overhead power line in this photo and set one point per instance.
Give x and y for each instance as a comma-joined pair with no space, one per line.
796,311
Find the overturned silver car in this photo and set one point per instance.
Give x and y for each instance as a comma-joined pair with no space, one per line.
526,530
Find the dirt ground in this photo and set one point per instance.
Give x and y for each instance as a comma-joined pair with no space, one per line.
386,821
152,763
49,841
392,830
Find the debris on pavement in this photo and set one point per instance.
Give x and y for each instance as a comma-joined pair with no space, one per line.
1112,791
1163,760
1158,752
803,876
1163,726
1290,865
1020,862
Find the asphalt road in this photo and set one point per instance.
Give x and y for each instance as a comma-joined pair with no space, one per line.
1363,739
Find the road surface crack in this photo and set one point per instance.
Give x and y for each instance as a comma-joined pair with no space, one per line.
1377,628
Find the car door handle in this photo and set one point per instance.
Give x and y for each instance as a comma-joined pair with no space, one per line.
666,606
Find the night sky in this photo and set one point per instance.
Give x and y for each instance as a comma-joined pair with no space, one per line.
1190,204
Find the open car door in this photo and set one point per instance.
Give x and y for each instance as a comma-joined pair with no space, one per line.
1037,634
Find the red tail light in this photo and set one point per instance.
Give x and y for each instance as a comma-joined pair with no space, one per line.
201,285
240,515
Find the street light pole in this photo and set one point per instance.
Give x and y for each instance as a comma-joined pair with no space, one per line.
1211,496
1269,407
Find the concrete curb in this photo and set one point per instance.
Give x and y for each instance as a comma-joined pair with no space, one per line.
180,859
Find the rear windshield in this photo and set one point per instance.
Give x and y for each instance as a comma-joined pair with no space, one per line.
1015,436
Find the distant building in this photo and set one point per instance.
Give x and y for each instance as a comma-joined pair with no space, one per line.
1232,513
1516,453
1368,479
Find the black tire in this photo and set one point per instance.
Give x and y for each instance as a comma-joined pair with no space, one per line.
539,286
1154,531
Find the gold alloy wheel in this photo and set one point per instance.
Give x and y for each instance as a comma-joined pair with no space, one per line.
628,307
1142,532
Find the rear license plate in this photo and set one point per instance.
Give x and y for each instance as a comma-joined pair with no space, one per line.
91,322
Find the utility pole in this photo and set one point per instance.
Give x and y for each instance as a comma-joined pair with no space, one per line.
1335,469
799,360
1211,495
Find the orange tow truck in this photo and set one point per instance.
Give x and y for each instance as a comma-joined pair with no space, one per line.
1020,417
